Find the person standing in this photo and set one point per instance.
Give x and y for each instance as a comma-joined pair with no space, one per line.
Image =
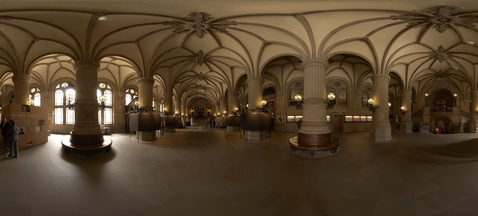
4,126
12,136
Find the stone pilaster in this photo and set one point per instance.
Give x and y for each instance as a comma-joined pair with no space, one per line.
406,124
473,111
381,130
21,88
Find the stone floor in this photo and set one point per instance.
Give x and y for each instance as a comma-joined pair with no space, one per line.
216,173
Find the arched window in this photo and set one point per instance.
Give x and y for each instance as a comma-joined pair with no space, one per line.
366,94
65,96
339,88
296,89
130,95
105,99
35,96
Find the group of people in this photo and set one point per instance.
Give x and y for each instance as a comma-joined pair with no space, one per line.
9,133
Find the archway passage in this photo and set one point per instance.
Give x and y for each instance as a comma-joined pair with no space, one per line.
442,125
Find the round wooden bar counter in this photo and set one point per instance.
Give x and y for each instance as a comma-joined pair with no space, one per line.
87,149
314,145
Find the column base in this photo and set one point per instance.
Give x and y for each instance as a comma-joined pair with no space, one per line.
169,129
257,135
381,133
86,144
314,145
406,127
146,135
232,129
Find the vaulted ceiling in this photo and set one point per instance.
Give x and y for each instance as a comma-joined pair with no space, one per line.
202,49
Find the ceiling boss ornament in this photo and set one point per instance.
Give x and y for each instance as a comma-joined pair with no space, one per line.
441,18
199,58
200,24
441,54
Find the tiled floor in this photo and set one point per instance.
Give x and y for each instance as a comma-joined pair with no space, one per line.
216,173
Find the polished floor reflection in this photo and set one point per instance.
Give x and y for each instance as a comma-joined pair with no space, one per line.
216,173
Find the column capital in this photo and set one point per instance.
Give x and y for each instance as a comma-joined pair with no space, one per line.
314,62
145,80
86,63
381,76
255,79
21,77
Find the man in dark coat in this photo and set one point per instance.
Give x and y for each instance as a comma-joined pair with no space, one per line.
4,127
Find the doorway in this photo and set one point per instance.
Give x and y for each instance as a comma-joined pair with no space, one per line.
337,123
441,125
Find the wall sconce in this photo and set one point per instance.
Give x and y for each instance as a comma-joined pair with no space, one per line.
371,107
70,103
427,99
136,105
298,98
403,110
330,100
31,102
102,102
389,105
454,99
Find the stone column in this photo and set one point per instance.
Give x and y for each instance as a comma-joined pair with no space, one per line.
406,123
86,134
473,111
232,106
145,93
426,120
145,97
21,88
233,102
168,102
183,113
254,90
314,138
456,125
314,107
381,130
119,112
280,108
222,111
222,105
177,106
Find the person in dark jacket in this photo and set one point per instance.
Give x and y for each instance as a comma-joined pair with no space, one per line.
12,136
4,126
